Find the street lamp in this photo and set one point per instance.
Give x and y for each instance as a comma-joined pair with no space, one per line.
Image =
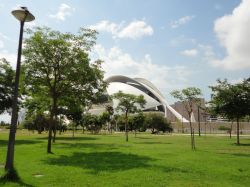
23,15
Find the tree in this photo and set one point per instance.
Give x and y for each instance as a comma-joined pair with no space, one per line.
6,85
189,97
128,103
110,111
58,67
93,123
231,101
156,122
137,121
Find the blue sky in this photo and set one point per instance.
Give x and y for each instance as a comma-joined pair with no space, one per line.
172,43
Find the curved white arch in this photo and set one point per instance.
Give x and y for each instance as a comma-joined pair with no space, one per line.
142,86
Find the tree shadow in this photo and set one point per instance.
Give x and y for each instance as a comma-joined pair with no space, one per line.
241,154
70,138
241,144
151,143
89,145
18,182
20,142
138,137
101,161
11,177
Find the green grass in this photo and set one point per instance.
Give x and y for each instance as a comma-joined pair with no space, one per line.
148,160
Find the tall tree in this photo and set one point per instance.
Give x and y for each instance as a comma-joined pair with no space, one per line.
128,103
189,97
58,66
231,101
6,85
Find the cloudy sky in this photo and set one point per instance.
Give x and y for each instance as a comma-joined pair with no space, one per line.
172,43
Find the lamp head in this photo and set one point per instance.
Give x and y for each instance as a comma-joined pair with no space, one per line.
22,14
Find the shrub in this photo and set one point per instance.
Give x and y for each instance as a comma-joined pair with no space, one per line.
157,123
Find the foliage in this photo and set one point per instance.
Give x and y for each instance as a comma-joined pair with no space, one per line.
156,122
93,123
38,122
128,103
136,122
6,85
57,67
231,100
224,128
189,97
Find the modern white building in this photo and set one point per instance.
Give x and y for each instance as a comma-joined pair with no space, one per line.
140,86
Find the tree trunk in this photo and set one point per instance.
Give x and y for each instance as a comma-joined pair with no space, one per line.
199,123
73,130
54,135
238,132
126,125
50,134
231,128
192,135
51,121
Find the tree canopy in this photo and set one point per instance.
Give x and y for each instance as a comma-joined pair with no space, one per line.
58,67
189,97
128,103
6,85
231,100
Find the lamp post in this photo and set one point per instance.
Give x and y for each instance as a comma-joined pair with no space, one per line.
23,15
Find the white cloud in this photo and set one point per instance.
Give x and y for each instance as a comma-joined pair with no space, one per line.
64,10
1,44
164,77
181,21
190,52
233,34
236,81
182,40
134,30
10,57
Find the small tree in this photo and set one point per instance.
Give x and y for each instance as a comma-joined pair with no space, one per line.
189,97
128,103
6,85
231,101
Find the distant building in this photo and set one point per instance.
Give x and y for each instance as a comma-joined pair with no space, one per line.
155,101
180,108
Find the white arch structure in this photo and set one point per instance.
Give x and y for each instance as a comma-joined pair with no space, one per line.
141,86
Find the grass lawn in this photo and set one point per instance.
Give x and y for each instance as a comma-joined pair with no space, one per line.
148,160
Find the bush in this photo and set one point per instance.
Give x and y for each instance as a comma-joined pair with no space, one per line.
157,123
93,123
223,128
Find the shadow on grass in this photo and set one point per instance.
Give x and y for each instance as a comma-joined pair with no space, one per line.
151,143
88,145
20,142
101,161
70,138
138,137
11,177
244,144
18,182
241,154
